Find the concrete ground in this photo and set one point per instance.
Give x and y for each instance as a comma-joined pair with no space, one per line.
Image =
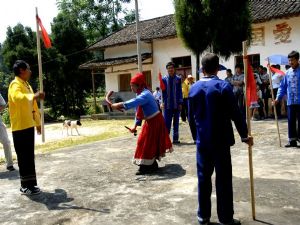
96,184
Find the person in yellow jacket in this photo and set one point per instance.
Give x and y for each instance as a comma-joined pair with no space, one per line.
186,85
185,93
24,116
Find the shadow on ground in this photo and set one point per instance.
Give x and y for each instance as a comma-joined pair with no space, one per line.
59,200
169,171
263,222
10,175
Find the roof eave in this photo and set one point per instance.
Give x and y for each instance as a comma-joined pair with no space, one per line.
148,40
276,17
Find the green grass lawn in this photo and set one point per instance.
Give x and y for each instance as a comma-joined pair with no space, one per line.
111,129
107,129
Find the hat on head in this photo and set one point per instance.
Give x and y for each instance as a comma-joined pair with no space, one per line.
139,79
190,76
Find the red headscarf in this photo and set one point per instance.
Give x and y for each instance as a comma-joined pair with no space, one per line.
139,79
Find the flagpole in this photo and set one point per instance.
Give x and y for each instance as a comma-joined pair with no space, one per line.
138,41
273,105
40,75
245,59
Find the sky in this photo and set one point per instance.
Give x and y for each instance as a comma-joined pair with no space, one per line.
13,12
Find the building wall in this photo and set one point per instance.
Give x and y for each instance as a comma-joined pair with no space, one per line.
165,50
126,50
269,47
112,74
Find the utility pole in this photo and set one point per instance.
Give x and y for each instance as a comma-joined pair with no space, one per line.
138,37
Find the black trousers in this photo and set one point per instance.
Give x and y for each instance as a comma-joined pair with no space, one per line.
24,146
184,110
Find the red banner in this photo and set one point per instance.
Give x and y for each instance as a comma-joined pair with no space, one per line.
251,92
46,39
161,83
275,70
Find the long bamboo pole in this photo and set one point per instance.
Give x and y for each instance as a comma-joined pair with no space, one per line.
40,75
138,41
94,92
245,59
273,105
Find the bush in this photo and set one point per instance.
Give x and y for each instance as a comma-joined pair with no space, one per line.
5,117
91,110
48,117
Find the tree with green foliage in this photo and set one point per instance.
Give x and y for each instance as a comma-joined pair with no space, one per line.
219,26
66,86
97,18
19,44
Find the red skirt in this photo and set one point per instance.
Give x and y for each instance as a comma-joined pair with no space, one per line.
153,141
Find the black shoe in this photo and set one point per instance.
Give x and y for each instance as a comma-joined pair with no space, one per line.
10,168
30,191
154,166
139,172
176,142
204,222
143,169
233,222
291,144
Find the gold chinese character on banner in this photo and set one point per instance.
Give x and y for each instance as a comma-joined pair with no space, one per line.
282,33
258,36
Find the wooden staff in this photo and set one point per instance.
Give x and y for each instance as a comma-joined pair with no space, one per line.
40,76
245,59
273,104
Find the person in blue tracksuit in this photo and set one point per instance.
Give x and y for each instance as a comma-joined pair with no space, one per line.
172,100
213,106
290,86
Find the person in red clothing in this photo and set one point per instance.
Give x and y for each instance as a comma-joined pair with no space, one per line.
153,141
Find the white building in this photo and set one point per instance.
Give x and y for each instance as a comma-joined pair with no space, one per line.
275,30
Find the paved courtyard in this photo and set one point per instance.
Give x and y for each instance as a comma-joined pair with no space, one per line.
95,184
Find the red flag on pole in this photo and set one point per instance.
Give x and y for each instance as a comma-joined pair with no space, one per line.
275,70
251,92
161,83
46,39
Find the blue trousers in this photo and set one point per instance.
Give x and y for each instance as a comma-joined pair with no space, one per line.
207,161
293,118
169,115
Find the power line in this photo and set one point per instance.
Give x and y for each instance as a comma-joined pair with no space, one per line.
71,54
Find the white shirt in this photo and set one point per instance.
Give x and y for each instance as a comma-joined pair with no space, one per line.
157,96
276,78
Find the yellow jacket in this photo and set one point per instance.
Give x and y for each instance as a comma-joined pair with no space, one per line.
185,88
23,110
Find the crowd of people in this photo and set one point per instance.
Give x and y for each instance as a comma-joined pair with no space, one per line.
209,105
264,90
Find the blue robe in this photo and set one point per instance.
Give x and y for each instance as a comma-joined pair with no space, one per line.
212,106
172,98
